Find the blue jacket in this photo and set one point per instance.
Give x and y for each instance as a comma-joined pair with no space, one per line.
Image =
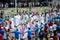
42,25
37,29
17,33
1,22
58,27
29,33
1,31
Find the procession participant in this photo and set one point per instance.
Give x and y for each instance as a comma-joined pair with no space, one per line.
42,18
16,32
36,31
54,28
17,19
29,33
25,17
5,33
24,32
1,29
41,34
32,17
51,31
12,22
42,25
8,23
1,32
32,25
48,17
46,28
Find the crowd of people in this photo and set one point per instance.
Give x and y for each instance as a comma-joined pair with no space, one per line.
30,25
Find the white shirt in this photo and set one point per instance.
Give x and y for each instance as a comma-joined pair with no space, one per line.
25,18
32,26
28,25
34,18
17,20
51,28
54,13
41,19
25,34
47,15
54,27
7,26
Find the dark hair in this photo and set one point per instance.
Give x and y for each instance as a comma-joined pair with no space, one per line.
29,28
36,21
8,30
55,33
17,29
42,14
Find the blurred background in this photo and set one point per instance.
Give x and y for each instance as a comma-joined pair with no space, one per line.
27,3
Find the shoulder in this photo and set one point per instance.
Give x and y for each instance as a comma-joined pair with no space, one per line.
3,31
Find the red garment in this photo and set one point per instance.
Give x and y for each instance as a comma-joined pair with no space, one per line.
1,27
12,39
56,37
1,36
51,23
6,22
32,22
4,29
10,24
46,27
23,29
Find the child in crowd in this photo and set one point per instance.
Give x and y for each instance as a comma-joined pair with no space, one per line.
29,33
